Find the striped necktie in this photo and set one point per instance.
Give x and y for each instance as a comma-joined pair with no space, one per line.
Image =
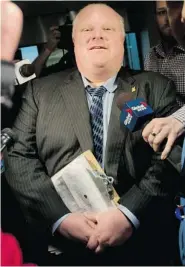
96,112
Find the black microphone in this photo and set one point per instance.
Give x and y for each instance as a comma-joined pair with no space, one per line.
24,71
8,137
27,70
134,114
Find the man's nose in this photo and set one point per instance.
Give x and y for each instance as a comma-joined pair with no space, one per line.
166,19
98,34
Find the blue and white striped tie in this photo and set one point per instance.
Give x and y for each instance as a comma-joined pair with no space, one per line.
96,111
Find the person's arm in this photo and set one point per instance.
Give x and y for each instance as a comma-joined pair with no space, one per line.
25,172
53,40
180,115
10,35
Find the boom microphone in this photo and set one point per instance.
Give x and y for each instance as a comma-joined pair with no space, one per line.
8,137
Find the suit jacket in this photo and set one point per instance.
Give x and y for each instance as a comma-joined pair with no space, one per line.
53,128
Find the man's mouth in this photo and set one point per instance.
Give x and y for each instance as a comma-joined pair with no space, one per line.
97,47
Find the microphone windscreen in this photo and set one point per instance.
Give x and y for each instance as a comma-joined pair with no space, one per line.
27,70
122,99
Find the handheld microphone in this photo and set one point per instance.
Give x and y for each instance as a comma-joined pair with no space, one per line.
27,70
24,71
8,137
134,114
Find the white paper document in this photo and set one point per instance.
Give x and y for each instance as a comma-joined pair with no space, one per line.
82,185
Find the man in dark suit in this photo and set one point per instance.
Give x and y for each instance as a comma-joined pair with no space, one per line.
56,124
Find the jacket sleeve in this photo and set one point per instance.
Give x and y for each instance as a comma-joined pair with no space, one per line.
26,174
180,115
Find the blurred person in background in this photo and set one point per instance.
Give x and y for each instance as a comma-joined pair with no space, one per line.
11,15
56,39
167,57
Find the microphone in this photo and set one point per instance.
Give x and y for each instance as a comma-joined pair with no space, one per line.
8,137
24,71
27,70
134,114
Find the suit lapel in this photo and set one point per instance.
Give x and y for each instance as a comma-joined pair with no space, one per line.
77,108
117,138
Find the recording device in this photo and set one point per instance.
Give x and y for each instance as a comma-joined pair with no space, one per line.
66,41
134,114
8,138
24,71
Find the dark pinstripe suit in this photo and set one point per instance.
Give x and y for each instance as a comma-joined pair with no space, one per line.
53,127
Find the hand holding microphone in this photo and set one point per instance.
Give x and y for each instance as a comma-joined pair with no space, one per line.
134,114
159,129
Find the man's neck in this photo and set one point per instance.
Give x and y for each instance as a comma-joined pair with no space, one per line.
168,45
99,77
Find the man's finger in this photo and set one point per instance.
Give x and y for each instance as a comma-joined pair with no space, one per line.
159,138
147,130
91,216
53,28
93,242
151,139
56,33
100,248
169,144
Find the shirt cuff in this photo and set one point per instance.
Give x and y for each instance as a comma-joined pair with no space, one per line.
58,222
129,215
180,115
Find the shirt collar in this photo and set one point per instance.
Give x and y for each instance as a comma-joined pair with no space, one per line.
160,51
110,84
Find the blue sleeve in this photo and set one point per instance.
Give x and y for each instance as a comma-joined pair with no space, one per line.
129,215
58,222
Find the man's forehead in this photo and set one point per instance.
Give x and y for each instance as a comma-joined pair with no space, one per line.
101,10
161,4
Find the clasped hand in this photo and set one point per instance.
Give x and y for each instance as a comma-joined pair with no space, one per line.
98,230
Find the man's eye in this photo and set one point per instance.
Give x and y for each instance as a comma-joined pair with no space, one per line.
107,29
162,12
86,30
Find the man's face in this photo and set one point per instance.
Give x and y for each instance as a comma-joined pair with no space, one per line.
98,38
183,13
162,19
178,26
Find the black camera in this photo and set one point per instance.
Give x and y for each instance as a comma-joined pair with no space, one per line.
66,41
